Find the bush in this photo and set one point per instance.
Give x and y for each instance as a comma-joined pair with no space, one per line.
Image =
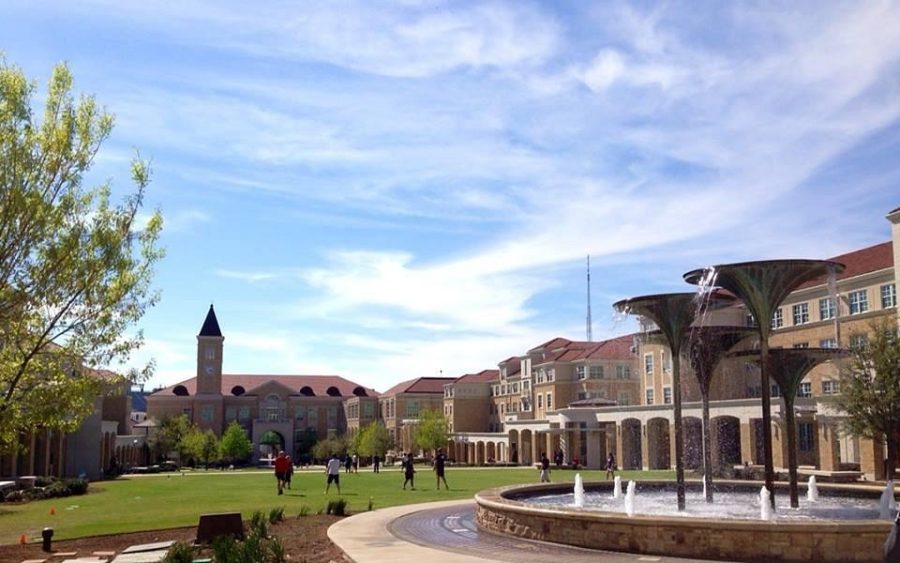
180,553
276,515
336,507
258,525
277,553
304,511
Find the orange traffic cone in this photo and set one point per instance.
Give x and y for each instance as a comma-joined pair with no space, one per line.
22,539
52,511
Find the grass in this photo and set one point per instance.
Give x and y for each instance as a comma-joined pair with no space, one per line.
172,500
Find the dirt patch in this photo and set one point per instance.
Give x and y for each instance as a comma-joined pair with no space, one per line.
305,539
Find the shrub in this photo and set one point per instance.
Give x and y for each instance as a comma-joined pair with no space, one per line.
180,552
76,486
304,511
258,525
225,548
337,507
276,515
276,551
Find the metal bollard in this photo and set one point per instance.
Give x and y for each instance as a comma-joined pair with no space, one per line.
47,534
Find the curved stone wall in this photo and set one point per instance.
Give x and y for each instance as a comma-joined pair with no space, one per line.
501,511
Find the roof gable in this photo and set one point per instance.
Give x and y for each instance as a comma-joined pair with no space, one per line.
211,324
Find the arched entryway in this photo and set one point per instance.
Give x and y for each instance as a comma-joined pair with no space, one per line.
693,442
658,455
726,441
631,444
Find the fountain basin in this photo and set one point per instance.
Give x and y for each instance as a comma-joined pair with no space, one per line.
506,510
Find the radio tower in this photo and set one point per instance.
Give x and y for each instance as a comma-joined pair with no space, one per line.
589,331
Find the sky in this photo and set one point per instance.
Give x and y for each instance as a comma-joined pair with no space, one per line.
389,190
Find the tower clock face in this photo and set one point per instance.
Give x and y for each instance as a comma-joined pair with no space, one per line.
209,370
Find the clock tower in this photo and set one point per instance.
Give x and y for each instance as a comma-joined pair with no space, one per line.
209,356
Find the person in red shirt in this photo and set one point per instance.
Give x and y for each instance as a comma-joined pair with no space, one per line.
282,466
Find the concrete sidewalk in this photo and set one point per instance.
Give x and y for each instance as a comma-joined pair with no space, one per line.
365,537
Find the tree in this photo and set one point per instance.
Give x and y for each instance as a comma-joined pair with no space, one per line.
870,389
374,439
432,431
75,268
171,436
235,445
324,449
201,445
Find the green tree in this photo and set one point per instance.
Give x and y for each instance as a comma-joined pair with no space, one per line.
870,389
375,439
75,268
235,445
333,445
432,431
170,436
202,446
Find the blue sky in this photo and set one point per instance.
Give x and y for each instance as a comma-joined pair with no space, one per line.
392,190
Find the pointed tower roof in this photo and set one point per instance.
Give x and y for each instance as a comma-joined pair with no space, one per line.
210,325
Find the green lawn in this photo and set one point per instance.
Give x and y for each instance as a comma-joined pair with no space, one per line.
171,500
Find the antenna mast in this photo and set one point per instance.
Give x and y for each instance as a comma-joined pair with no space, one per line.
589,331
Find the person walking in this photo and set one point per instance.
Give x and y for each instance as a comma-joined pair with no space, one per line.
408,472
545,468
610,465
333,470
355,463
289,474
281,468
348,464
376,463
440,460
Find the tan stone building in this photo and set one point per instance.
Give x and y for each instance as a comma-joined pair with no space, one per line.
284,407
402,404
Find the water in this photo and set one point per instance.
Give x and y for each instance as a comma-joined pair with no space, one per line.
765,505
629,499
812,491
578,492
888,504
617,487
729,504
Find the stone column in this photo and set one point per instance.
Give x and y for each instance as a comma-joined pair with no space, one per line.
617,437
645,447
871,459
779,443
829,449
748,442
672,444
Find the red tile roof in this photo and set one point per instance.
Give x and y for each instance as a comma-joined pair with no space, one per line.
513,365
862,261
319,384
420,385
618,348
485,376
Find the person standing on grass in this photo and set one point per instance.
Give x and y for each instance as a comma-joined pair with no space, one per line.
545,468
376,462
610,465
408,473
439,461
289,474
281,469
333,470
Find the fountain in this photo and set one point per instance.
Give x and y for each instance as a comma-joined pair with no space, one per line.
629,499
579,491
766,512
762,286
812,491
673,314
617,487
887,502
788,368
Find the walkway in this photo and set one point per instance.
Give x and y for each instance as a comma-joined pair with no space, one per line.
446,532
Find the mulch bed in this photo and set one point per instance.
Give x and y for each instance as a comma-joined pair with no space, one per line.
305,540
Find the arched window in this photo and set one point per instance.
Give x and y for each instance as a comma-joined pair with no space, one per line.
360,391
307,391
333,391
238,390
180,390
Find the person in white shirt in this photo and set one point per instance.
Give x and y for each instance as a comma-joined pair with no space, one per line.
333,470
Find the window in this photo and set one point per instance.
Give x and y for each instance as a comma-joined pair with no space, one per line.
749,320
298,414
580,372
551,374
273,414
888,296
778,319
667,395
800,313
858,340
801,345
332,417
828,343
412,409
649,395
312,419
582,395
666,361
244,413
859,301
830,387
623,371
230,414
206,413
648,365
596,372
624,398
826,309
540,401
806,437
210,353
805,389
549,401
774,390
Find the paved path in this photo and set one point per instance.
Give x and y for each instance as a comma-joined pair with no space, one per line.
446,532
